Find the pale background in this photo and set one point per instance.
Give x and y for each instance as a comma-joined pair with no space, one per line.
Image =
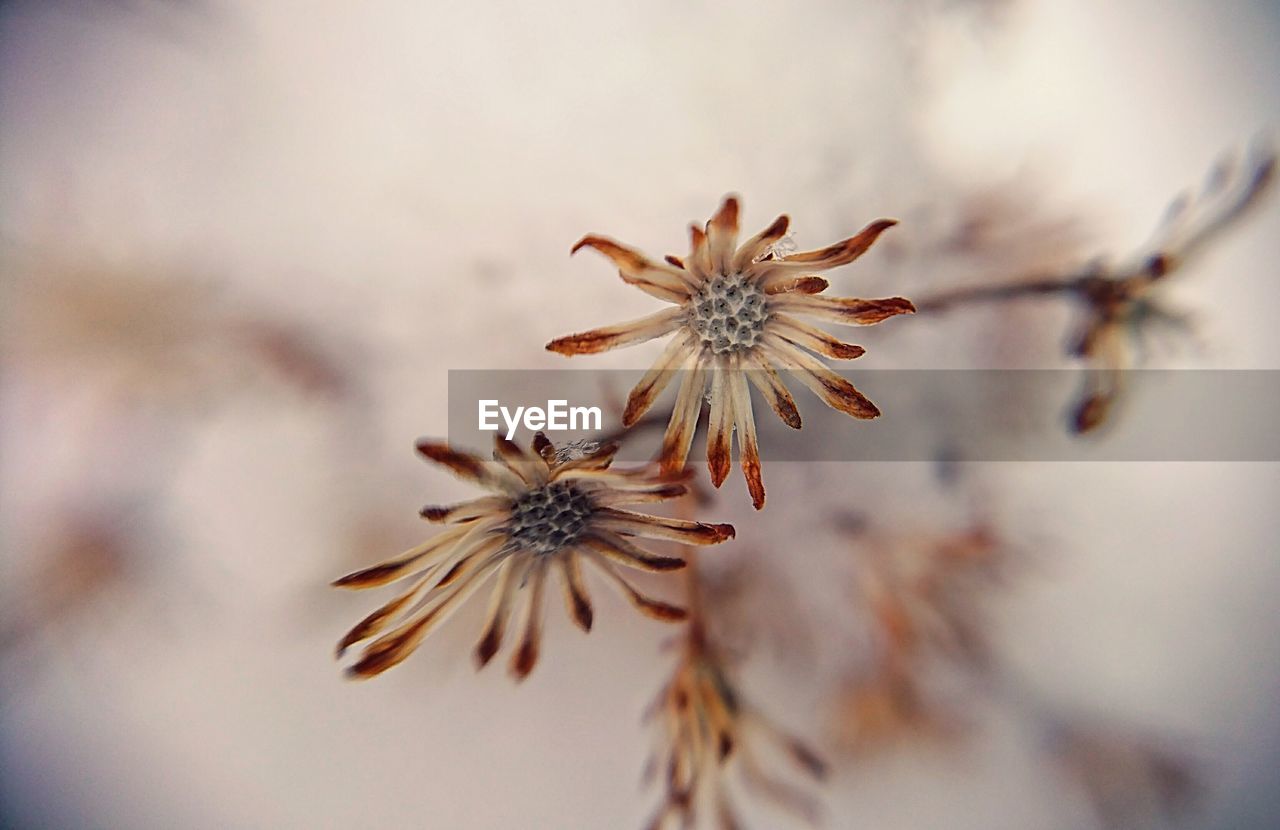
401,185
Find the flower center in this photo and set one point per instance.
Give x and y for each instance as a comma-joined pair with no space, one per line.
549,518
728,313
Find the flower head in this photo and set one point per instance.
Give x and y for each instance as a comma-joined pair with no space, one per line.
545,512
736,318
706,731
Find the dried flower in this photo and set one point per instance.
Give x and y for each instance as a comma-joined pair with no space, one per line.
545,512
705,730
1120,302
734,320
924,597
1130,778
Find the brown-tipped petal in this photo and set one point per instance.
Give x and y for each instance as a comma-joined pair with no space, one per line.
674,261
648,606
411,560
495,626
1091,411
678,437
813,339
835,391
841,253
787,284
758,245
748,448
637,269
623,334
378,620
526,654
619,550
391,649
806,757
472,468
661,527
722,235
576,599
657,378
718,424
608,497
523,465
765,378
464,511
544,449
847,311
698,262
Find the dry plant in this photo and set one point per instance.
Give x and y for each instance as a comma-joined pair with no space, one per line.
733,322
927,596
708,735
924,595
547,510
1119,302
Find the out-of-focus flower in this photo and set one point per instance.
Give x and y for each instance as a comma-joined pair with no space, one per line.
1130,779
706,731
924,597
734,321
92,555
140,336
1120,302
888,708
545,512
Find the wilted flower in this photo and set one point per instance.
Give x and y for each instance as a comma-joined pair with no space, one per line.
1119,302
733,321
545,512
706,730
888,708
1131,779
924,597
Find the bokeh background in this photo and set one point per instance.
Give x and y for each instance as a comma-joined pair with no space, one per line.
244,242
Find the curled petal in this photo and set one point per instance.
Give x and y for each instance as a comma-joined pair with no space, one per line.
380,619
544,449
748,448
390,649
648,606
699,260
814,339
837,392
758,245
787,284
845,310
659,280
765,378
624,334
637,495
526,654
684,418
472,468
831,256
509,579
656,379
719,425
661,527
722,235
464,511
577,601
414,559
618,549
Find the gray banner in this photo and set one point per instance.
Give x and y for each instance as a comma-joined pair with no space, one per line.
979,415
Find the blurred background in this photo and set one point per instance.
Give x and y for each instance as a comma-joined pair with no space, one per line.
244,242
